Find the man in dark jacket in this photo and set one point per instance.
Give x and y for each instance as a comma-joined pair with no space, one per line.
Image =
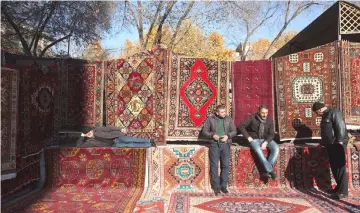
335,138
221,129
112,136
258,128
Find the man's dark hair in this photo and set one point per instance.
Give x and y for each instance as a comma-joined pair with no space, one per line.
218,107
263,106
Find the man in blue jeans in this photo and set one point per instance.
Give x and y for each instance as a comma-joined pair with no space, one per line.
112,136
219,128
258,128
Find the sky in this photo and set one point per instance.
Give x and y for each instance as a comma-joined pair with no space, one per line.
115,41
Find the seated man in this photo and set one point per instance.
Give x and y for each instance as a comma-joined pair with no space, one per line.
258,128
112,136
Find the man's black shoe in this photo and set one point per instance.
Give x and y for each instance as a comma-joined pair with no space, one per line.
332,191
224,190
338,196
265,175
273,175
217,191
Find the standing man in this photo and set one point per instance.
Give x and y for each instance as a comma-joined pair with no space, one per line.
221,129
258,128
335,138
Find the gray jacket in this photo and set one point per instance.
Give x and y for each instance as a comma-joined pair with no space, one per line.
210,127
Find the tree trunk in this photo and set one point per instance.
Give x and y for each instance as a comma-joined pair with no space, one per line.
158,9
190,6
158,36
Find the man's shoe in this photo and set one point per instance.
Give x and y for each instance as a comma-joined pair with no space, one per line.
266,175
338,196
332,191
273,175
217,191
224,190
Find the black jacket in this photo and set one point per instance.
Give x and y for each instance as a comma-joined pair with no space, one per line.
210,128
103,136
250,128
333,128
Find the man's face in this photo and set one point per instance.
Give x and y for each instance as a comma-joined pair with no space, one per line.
263,113
320,112
221,113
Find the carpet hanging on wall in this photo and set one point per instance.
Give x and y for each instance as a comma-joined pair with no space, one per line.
9,121
196,87
302,79
83,87
39,106
350,82
252,85
135,94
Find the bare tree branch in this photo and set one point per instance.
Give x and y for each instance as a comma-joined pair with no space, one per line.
41,30
54,43
12,23
287,21
190,6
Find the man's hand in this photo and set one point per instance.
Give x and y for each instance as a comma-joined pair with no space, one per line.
216,137
124,130
225,138
250,139
264,145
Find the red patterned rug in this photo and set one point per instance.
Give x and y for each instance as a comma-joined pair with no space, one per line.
91,180
135,94
293,202
9,121
84,93
350,76
302,79
196,87
26,180
39,107
245,170
252,85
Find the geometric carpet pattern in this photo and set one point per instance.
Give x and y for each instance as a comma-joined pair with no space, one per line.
252,85
175,168
196,87
350,82
91,180
135,94
176,179
9,121
302,79
83,87
293,202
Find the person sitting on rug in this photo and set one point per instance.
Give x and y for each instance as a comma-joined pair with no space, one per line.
258,128
221,129
112,136
334,137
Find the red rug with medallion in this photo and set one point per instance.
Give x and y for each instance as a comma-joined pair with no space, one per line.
196,87
302,79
